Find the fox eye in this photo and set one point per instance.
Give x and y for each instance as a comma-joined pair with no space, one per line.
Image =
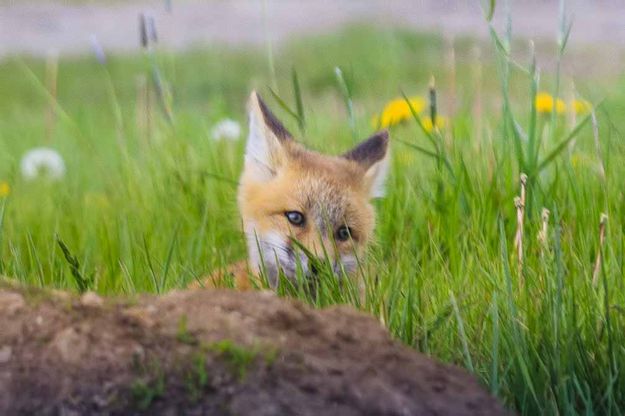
343,233
296,218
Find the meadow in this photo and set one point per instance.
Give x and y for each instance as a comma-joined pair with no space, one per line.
147,202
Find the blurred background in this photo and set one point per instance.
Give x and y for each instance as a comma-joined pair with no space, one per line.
122,129
270,38
66,26
397,43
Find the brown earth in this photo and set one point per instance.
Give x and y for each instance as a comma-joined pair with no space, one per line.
213,352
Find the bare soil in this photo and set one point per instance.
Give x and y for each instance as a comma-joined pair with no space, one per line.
214,352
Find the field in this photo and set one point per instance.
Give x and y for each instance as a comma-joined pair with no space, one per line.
148,203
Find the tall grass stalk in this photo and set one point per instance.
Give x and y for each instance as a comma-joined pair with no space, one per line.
52,69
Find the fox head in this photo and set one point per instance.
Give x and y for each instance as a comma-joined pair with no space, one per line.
294,200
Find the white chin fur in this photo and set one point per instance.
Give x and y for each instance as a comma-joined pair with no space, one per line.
274,253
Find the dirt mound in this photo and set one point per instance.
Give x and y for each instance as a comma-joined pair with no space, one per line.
214,352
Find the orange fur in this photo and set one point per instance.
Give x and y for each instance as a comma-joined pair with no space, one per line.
281,175
238,271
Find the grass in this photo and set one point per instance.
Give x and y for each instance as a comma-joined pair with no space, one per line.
238,358
150,208
149,386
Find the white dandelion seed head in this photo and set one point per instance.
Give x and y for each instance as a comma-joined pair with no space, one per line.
42,161
226,129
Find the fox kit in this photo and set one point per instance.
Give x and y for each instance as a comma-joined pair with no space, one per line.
293,200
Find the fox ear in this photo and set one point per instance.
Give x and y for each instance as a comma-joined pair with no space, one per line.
373,155
265,152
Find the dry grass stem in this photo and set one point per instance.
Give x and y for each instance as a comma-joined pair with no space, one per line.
603,221
519,203
544,229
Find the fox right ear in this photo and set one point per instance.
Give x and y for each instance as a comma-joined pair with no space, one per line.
373,156
265,152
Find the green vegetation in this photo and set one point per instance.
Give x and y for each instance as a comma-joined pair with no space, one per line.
150,386
237,357
149,205
182,334
196,379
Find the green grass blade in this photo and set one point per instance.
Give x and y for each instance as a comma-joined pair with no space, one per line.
83,283
461,332
284,105
490,10
562,145
494,374
3,205
533,143
299,103
170,252
347,97
518,343
417,119
148,259
419,149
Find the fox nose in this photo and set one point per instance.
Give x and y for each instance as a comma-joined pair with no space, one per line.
317,251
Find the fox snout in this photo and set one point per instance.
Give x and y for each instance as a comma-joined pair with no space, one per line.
290,257
323,254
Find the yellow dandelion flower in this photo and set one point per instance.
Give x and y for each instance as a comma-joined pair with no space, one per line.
581,106
5,189
397,111
545,104
427,123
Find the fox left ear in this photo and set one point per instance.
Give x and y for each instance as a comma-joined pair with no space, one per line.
266,146
373,155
